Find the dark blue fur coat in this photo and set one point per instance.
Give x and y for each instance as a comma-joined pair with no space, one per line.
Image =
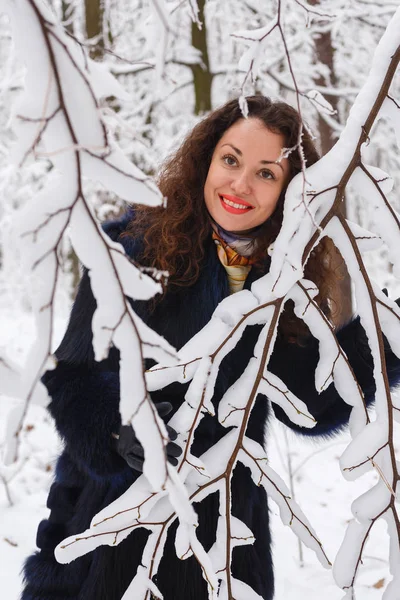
90,474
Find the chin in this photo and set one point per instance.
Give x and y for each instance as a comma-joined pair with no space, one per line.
234,224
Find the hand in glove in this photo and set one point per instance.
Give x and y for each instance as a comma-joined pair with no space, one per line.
129,447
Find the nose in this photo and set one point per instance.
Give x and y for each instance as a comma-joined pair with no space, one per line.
240,184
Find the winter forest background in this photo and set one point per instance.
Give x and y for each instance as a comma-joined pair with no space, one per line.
174,62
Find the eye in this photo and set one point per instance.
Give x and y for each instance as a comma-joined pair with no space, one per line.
229,160
266,174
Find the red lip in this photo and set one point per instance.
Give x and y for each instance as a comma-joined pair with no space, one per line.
237,200
232,209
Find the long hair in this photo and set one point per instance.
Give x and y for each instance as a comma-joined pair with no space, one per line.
174,238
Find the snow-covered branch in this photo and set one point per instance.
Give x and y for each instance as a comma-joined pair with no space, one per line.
68,127
311,210
60,118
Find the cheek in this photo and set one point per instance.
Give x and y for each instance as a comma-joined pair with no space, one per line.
216,176
270,200
208,195
212,182
207,190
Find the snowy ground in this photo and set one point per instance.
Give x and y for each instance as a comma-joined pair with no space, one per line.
326,498
319,488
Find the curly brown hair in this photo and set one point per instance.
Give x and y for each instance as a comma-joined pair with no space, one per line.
174,238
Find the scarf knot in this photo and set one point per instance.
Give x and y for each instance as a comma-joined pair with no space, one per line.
237,266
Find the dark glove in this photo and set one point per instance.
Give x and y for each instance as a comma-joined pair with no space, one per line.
129,447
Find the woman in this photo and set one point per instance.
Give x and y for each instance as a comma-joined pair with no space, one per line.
225,188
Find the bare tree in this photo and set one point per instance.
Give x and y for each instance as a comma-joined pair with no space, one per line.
202,76
94,14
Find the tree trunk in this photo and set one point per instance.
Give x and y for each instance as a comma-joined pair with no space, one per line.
325,55
94,28
67,11
94,12
202,77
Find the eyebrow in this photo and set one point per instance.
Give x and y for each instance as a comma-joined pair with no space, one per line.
263,162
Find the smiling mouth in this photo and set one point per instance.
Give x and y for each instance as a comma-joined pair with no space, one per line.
234,207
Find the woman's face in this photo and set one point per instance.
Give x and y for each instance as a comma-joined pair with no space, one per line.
245,177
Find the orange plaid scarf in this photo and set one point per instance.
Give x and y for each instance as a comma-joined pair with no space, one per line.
237,267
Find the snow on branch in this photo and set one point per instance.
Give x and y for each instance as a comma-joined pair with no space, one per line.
59,117
312,210
162,34
373,444
62,86
251,62
212,471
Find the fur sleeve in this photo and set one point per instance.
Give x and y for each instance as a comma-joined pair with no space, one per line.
85,393
85,406
296,366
